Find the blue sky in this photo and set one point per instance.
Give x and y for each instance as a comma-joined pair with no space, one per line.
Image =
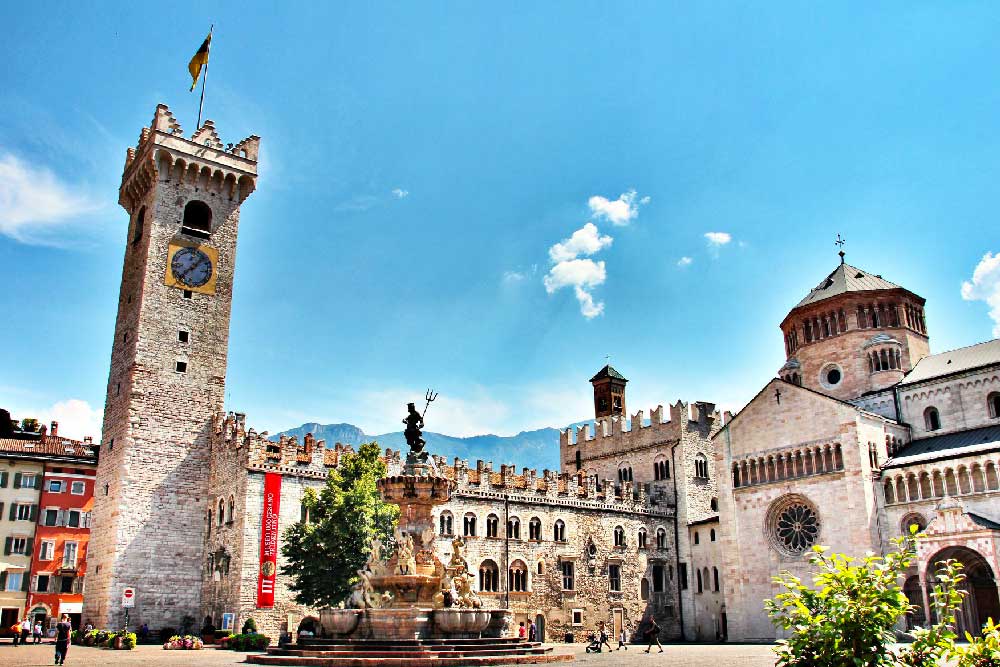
420,162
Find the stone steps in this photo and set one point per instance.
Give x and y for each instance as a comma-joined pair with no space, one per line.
408,653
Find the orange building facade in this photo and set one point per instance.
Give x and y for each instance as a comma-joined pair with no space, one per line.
59,564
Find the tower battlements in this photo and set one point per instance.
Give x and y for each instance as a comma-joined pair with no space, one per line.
164,153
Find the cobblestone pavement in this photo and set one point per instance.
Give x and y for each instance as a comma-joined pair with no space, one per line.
674,655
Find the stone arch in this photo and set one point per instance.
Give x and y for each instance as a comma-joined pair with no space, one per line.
991,476
517,577
925,485
489,576
890,496
981,600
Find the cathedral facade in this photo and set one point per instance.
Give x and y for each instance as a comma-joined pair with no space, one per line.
682,516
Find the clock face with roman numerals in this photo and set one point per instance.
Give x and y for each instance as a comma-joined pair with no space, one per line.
191,267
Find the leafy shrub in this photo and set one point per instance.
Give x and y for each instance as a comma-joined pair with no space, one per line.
248,642
129,640
185,643
982,651
249,626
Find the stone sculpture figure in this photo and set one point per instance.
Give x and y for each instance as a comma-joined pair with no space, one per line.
458,554
375,564
362,591
414,437
406,562
465,596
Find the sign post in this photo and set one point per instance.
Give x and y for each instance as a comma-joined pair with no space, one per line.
128,601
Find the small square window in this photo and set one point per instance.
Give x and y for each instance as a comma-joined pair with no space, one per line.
77,488
187,294
182,336
181,367
577,617
55,486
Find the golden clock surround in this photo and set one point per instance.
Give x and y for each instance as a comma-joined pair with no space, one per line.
170,281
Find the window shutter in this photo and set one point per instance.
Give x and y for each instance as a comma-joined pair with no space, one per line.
17,480
3,582
60,517
13,511
3,479
34,513
34,583
7,545
38,481
29,547
25,581
1,508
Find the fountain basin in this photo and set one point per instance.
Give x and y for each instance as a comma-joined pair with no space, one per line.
408,589
339,622
461,623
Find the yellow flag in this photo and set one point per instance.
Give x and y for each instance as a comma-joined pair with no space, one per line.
200,58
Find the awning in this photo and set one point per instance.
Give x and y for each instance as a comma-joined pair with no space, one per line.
70,607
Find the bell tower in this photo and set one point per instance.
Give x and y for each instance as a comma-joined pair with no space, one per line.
168,369
609,392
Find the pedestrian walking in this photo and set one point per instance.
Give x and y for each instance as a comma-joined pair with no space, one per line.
36,632
522,632
532,631
602,634
63,630
15,630
25,630
653,635
622,637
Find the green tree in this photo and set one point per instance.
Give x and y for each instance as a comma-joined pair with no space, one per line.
847,616
29,425
325,549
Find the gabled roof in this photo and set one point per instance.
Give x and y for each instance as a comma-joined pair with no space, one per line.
845,278
947,446
45,448
954,361
608,372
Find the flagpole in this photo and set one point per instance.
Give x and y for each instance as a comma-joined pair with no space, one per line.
204,80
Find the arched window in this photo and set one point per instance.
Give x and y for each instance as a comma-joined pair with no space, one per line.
211,518
644,589
469,525
535,528
140,225
661,538
698,573
517,577
711,535
932,419
231,509
540,567
446,523
489,577
701,466
642,538
714,504
862,320
697,538
492,526
715,579
222,511
513,528
197,219
619,536
559,531
993,403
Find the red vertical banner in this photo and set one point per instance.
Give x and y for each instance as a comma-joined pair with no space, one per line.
269,540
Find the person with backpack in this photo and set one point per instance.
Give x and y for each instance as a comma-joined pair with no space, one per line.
653,635
63,630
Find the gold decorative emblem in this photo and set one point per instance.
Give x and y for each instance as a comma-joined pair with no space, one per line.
191,266
267,568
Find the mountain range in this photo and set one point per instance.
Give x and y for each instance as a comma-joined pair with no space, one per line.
528,449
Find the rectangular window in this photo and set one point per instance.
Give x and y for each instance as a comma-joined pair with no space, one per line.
19,545
78,488
46,550
615,578
66,584
73,521
23,512
55,486
42,583
181,367
567,575
182,336
29,481
51,517
69,554
682,571
577,617
14,580
187,294
658,581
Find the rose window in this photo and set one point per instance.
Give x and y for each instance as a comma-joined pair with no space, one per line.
796,528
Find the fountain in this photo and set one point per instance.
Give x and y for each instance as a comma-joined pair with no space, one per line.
411,607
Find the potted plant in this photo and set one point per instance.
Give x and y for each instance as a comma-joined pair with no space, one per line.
208,631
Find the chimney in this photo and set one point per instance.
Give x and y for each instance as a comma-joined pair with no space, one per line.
88,440
54,429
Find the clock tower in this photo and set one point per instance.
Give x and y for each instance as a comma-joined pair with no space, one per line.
168,370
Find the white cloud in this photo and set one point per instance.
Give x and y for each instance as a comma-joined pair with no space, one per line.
684,261
717,239
400,193
620,211
985,286
76,417
33,200
582,275
513,276
584,241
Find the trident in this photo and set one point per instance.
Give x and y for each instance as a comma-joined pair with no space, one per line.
429,396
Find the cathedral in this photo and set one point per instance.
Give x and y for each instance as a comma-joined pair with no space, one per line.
680,515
